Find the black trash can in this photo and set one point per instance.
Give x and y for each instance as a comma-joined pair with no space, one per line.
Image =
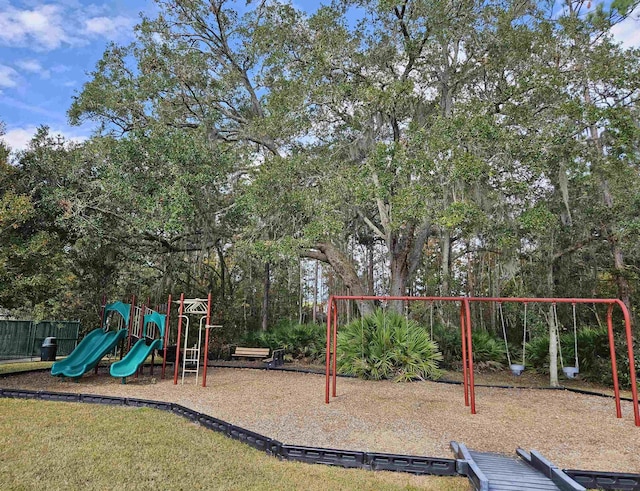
49,349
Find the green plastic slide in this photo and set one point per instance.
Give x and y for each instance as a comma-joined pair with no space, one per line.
134,358
88,353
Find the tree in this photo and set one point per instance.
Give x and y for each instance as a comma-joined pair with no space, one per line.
35,273
426,120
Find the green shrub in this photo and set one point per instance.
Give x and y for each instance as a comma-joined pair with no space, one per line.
593,350
537,353
387,346
593,355
299,340
488,350
448,339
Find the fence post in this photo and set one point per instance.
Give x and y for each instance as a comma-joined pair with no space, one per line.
32,333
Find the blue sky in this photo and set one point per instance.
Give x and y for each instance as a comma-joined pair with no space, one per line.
48,47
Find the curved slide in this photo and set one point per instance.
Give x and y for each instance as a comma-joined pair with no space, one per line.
88,353
134,358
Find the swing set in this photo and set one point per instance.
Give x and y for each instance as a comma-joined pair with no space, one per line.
467,343
516,368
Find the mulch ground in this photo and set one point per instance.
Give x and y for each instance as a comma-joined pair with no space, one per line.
572,430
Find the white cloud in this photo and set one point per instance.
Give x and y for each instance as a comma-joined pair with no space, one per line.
8,76
41,28
33,66
18,138
108,27
627,32
47,27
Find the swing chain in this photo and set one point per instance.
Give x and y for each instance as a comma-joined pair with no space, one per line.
575,335
557,328
504,332
431,318
524,335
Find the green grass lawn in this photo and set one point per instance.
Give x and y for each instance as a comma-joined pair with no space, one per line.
53,445
23,366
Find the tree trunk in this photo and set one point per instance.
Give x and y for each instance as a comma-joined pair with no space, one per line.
300,296
553,340
370,278
315,293
553,349
222,272
344,268
471,265
399,278
445,267
405,250
265,297
618,257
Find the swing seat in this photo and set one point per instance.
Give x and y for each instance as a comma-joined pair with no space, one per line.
570,372
516,369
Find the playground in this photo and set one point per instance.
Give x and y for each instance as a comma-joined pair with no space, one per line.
153,364
421,418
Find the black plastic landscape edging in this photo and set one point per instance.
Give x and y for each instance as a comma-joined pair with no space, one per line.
312,455
280,369
592,393
605,480
32,370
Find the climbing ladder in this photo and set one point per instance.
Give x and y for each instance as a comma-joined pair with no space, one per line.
496,472
190,360
191,357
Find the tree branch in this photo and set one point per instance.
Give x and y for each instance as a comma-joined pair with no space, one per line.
382,209
314,254
575,247
372,225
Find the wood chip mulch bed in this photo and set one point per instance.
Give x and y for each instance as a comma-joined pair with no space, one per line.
572,430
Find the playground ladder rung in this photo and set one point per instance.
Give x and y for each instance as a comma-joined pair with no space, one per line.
191,354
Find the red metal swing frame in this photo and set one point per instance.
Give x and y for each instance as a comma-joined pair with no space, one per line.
467,343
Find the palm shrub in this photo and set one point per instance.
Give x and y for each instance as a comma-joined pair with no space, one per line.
303,340
537,353
256,339
593,350
385,345
448,339
488,350
593,354
298,340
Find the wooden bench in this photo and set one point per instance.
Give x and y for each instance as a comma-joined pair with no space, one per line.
276,358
